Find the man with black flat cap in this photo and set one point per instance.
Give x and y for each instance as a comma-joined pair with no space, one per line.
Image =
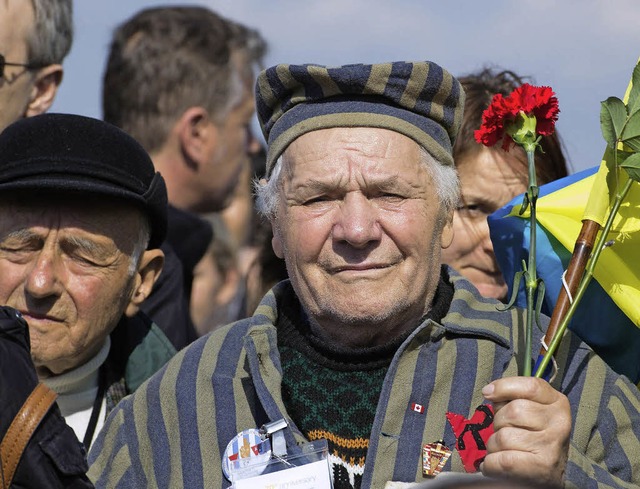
82,215
372,345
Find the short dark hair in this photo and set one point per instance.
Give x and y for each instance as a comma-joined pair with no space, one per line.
164,60
480,88
52,34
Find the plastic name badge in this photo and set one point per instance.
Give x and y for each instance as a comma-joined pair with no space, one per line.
309,476
307,470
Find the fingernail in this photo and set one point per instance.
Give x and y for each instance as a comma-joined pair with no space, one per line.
487,390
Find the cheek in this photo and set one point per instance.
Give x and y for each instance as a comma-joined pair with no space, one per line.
98,297
13,277
88,296
305,235
465,240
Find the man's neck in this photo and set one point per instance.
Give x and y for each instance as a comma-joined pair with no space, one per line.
171,166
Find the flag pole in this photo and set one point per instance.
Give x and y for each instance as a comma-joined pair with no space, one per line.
575,270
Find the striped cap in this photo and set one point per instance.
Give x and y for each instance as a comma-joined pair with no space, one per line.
420,100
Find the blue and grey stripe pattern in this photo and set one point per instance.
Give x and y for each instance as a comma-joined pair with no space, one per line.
420,100
172,432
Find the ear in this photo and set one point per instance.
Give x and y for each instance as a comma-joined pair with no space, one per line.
149,268
276,240
47,81
446,238
198,134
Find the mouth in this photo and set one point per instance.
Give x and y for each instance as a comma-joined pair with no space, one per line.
35,316
360,267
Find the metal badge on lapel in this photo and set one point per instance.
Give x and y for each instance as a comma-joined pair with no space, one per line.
259,459
244,450
434,458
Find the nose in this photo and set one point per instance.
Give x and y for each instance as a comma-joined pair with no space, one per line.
357,222
43,277
485,237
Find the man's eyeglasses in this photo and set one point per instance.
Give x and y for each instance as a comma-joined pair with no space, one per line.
29,66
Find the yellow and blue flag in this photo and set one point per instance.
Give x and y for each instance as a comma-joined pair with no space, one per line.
608,317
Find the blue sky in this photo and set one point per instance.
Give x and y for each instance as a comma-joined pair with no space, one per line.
584,49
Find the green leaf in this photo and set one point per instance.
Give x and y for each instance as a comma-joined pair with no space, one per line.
610,160
634,100
632,166
631,132
613,115
514,292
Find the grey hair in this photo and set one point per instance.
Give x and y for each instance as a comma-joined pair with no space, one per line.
52,34
144,233
267,193
445,178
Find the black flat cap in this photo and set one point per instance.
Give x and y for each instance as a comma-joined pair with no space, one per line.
85,156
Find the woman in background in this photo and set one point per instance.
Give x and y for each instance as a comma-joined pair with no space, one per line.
490,177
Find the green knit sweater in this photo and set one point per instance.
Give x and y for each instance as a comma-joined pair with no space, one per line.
331,392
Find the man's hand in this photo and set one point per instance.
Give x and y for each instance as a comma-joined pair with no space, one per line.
532,424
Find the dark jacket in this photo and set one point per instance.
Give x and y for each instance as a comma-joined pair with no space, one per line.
53,458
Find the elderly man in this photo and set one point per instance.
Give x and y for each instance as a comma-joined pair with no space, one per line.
82,216
35,37
398,363
179,80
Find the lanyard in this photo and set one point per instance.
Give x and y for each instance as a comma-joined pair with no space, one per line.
95,411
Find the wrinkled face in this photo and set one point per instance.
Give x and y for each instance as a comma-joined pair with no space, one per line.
489,179
16,21
360,227
66,269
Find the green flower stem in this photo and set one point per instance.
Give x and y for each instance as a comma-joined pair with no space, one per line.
586,279
531,277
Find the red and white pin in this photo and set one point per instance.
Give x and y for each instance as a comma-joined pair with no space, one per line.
418,408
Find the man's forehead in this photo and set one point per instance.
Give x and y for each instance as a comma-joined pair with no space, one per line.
95,213
98,223
17,18
341,144
19,15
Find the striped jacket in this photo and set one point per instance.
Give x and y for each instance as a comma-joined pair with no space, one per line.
173,431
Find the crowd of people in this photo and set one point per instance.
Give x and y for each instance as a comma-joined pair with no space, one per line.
171,289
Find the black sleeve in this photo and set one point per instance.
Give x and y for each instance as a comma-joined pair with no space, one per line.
53,458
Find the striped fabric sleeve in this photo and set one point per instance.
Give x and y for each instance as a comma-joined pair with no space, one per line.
111,467
610,458
173,430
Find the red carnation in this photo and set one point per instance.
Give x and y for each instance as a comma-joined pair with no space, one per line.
503,112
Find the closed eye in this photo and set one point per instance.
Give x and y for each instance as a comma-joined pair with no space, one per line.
392,196
316,200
